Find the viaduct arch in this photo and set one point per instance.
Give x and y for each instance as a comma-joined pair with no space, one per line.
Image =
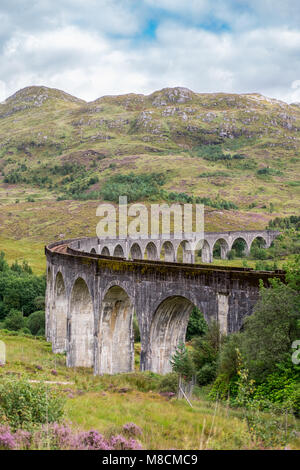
91,299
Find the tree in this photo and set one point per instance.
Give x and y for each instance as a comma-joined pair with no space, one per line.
271,329
182,362
205,353
36,322
14,321
197,325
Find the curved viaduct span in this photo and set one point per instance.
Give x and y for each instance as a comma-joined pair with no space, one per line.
91,299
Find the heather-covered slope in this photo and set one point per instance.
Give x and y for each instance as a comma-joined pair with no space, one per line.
243,149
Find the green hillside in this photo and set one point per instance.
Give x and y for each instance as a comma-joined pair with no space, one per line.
61,156
106,403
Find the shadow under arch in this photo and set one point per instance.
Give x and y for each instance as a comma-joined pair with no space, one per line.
203,252
184,252
136,252
151,252
93,251
168,329
258,242
49,306
167,252
81,326
115,339
105,251
240,247
59,315
220,248
118,252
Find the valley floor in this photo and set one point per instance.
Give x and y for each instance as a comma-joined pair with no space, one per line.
108,402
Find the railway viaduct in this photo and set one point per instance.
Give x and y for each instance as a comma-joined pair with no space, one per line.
94,287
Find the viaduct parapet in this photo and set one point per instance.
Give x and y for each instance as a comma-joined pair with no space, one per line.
172,248
91,299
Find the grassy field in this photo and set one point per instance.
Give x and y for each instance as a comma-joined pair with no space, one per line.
106,403
51,141
25,228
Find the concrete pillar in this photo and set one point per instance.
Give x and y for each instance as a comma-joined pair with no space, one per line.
224,251
207,256
223,308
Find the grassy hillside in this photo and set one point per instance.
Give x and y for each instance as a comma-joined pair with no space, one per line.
241,147
56,149
106,403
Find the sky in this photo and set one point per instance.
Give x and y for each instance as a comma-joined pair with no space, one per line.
92,48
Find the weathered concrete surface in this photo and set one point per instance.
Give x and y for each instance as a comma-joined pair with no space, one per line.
168,248
91,299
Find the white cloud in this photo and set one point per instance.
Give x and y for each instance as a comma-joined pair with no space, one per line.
90,47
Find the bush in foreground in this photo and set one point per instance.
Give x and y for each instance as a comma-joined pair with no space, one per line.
61,437
23,404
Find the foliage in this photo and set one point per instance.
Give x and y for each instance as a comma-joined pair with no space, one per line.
135,187
19,288
292,276
23,404
136,329
205,353
58,436
281,386
197,325
36,322
264,348
225,384
271,329
169,383
182,362
14,320
185,198
212,153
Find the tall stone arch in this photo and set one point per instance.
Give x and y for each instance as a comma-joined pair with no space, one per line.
206,253
119,252
49,298
261,238
105,251
245,241
136,252
168,252
59,315
80,327
151,251
224,247
115,339
168,329
184,252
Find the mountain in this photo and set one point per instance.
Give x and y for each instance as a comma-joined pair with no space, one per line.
243,148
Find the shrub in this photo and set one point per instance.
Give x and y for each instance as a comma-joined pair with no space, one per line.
136,330
271,329
36,322
169,383
57,436
135,187
19,288
282,386
182,362
197,325
132,429
14,321
24,404
206,374
205,352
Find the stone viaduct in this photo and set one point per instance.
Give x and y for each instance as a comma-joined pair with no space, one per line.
93,292
168,248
